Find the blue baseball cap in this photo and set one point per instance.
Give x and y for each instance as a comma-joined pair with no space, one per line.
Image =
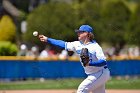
85,28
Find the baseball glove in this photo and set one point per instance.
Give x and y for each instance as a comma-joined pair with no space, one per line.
84,56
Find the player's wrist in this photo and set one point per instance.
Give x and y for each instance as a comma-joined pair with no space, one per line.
46,39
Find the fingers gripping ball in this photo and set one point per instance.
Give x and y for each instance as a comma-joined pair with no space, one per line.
35,33
84,56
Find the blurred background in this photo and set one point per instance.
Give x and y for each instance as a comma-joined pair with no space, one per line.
23,56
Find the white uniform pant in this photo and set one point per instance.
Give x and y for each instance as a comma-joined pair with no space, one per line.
95,82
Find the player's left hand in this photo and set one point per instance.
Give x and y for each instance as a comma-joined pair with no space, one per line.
84,56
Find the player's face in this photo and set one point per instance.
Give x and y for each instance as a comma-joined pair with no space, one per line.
82,35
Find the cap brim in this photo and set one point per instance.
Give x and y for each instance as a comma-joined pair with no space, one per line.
78,31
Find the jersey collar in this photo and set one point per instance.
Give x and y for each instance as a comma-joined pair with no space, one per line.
93,41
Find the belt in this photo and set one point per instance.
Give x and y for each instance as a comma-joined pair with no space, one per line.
105,67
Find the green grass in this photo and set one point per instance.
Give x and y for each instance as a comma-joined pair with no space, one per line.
66,84
123,84
47,84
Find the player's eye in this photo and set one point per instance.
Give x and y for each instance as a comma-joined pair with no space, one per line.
80,32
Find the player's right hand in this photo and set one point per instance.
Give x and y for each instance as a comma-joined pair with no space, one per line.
43,38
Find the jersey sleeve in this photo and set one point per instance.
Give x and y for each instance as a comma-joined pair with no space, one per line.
101,59
99,53
70,46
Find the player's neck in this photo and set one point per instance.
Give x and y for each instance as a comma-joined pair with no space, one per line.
86,41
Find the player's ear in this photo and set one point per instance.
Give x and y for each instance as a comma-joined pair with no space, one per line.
88,34
91,36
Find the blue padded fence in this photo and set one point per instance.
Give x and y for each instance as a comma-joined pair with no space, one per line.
61,69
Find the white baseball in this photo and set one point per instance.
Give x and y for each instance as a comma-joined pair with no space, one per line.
35,33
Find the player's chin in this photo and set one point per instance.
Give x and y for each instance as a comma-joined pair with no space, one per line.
79,38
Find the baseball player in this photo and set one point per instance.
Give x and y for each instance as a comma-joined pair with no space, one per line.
91,58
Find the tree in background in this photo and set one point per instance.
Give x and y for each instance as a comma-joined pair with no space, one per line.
8,49
134,28
115,17
57,20
90,13
7,29
7,37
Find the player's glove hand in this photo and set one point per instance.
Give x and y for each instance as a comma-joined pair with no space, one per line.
84,56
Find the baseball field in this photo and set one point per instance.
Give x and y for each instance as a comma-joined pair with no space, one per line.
65,91
67,86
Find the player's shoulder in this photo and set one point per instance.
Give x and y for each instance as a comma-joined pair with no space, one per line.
76,42
95,44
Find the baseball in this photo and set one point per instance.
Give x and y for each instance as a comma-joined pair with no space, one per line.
35,33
